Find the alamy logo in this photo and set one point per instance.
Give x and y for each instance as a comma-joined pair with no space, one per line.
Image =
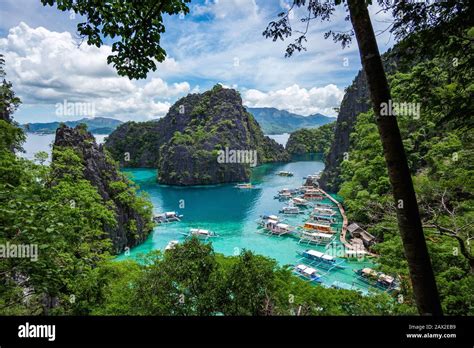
28,251
237,156
400,109
75,109
37,331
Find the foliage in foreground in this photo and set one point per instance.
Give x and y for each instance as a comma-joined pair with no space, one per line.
439,147
193,280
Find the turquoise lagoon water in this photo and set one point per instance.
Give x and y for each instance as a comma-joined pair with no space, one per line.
232,214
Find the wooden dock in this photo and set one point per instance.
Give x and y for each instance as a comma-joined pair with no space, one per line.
342,235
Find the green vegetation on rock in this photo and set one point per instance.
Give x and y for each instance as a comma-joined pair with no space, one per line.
439,148
185,144
313,140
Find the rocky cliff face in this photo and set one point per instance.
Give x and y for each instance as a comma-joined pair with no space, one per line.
133,226
356,100
193,143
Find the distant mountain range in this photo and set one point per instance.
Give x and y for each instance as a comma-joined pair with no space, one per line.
271,120
97,125
275,121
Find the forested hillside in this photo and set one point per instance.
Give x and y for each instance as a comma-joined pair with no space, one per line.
439,146
313,140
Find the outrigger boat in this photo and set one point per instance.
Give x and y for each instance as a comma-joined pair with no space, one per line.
308,273
244,186
317,238
315,176
200,233
324,211
285,194
291,210
313,194
324,205
378,279
314,227
319,259
303,189
170,216
276,227
301,202
322,218
284,173
171,245
264,218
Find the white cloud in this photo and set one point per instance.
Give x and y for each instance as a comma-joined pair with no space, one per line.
47,67
225,9
158,87
298,100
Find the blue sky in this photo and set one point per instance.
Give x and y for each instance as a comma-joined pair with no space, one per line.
220,41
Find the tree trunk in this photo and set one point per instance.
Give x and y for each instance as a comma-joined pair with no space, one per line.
409,223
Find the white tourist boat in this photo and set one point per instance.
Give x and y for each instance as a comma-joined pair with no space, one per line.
317,238
322,218
244,186
285,173
264,218
301,202
200,233
378,279
324,211
317,227
169,216
291,210
319,259
307,272
276,227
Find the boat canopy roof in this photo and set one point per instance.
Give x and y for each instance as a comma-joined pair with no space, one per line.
386,278
271,221
199,231
297,199
369,271
313,224
323,210
273,217
323,235
301,267
319,254
283,226
318,234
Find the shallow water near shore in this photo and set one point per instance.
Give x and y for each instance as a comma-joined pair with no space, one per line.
232,214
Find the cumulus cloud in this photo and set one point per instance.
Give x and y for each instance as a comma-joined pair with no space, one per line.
48,67
225,9
219,41
297,99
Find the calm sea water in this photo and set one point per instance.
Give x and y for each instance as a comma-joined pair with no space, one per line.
230,212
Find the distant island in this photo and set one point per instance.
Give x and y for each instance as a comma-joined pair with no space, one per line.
275,121
97,125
